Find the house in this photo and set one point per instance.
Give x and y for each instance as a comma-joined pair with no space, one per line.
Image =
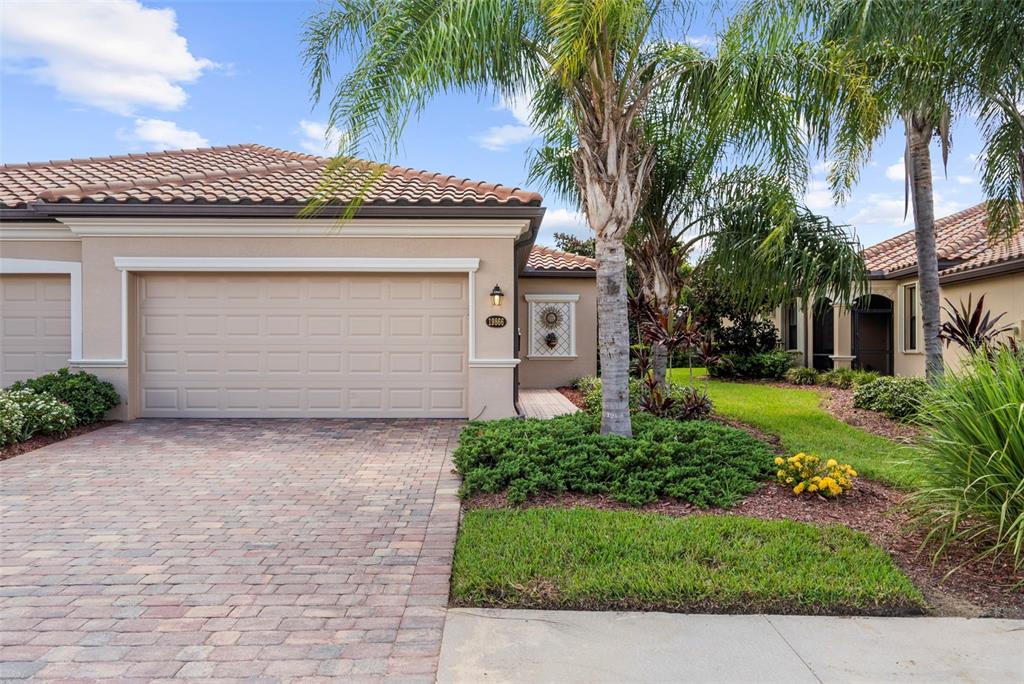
189,280
884,332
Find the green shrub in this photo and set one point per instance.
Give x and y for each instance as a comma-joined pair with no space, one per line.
762,365
41,413
12,419
972,453
896,396
591,387
705,463
846,378
88,396
802,376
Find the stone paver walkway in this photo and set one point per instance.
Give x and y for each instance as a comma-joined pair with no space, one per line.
567,647
545,403
260,550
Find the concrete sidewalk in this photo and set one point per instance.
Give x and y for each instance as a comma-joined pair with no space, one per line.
563,646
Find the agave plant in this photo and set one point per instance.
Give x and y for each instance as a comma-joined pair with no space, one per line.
972,328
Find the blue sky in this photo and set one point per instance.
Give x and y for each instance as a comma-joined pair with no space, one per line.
91,78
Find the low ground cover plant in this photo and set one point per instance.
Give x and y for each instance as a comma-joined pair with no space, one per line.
802,376
846,378
701,462
896,396
582,558
972,451
87,395
807,473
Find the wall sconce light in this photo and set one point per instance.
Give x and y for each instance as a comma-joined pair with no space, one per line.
497,295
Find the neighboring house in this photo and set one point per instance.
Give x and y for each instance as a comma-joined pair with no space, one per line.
188,280
885,332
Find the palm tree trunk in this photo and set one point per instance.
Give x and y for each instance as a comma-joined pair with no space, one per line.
613,336
919,134
659,363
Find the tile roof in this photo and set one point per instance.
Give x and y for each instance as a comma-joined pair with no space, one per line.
235,174
547,259
961,241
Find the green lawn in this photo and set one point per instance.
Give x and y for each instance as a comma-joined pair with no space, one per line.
794,415
583,558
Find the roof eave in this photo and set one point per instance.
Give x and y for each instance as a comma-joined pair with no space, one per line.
557,273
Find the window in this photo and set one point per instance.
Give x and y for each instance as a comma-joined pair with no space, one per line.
910,318
552,327
791,327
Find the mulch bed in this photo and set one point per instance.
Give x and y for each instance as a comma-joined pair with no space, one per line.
839,403
39,441
575,396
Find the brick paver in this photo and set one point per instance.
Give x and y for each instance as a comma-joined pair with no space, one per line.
545,403
271,550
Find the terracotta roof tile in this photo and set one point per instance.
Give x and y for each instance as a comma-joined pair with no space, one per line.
547,259
236,174
961,238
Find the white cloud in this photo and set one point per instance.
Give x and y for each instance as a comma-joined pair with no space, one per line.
157,134
700,41
498,138
880,209
116,55
562,220
965,180
897,171
818,196
316,139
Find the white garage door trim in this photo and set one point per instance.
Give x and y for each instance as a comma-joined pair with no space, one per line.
73,269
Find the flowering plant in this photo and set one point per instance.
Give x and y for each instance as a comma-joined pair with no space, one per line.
806,473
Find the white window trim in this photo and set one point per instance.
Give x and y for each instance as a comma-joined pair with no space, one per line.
533,300
902,315
73,270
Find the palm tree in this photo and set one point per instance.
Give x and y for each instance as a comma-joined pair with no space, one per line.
591,67
929,62
768,247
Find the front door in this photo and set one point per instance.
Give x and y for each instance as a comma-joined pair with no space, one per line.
872,335
823,346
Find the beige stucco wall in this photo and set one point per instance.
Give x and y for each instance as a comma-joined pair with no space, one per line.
47,250
1003,293
546,373
490,389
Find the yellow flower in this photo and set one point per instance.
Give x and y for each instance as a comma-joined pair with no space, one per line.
832,463
778,460
789,480
799,488
812,488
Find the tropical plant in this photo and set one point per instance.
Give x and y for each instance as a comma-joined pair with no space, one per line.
759,365
846,378
972,328
972,452
41,413
929,63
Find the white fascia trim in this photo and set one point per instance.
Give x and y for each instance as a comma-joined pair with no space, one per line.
74,271
394,228
98,363
35,230
552,297
493,363
292,264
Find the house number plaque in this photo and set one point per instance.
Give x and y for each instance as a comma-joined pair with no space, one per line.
496,321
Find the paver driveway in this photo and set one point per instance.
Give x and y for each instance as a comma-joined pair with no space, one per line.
276,549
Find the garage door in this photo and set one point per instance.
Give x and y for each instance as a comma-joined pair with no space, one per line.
287,345
35,325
